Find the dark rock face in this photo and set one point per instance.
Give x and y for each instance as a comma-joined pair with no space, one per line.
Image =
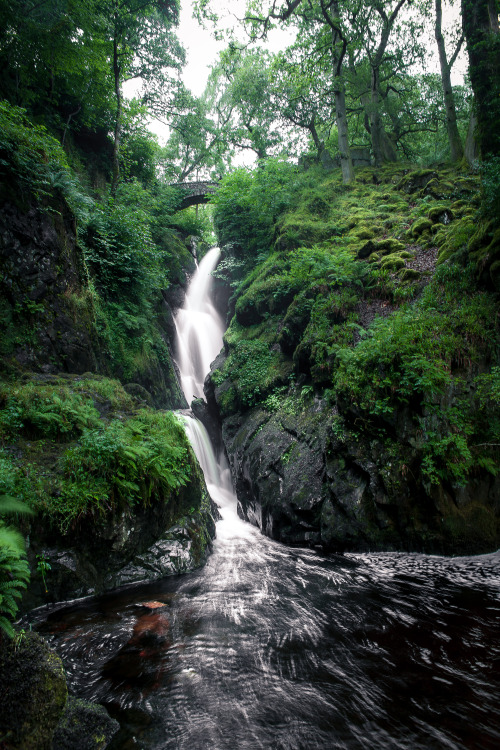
46,309
131,547
303,484
40,268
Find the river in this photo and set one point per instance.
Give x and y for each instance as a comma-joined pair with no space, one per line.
287,649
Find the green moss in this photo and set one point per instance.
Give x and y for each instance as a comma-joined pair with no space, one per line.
392,262
409,274
84,725
76,462
415,180
365,234
438,188
441,214
381,247
420,226
254,370
34,692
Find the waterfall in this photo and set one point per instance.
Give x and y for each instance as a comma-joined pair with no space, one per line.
199,331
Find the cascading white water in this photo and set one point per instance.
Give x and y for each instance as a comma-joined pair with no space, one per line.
199,329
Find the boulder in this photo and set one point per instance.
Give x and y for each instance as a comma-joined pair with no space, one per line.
34,692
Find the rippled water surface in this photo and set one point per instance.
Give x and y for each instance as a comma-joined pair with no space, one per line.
271,647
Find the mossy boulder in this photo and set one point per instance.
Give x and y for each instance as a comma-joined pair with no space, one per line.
382,247
438,189
392,262
416,180
440,215
84,726
364,233
34,693
409,274
420,226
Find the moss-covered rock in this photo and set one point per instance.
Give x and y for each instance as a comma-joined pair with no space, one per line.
84,725
441,215
420,226
392,262
381,247
33,692
409,274
414,181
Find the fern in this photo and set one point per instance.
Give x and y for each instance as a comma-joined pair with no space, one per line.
14,570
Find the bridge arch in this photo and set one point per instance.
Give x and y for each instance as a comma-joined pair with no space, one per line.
195,193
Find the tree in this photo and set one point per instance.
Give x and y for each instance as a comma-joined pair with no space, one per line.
199,140
481,31
328,19
54,61
143,46
456,148
242,78
380,22
302,95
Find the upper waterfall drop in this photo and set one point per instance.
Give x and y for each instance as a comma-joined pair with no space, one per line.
199,329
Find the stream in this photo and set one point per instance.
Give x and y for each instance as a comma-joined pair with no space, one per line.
287,649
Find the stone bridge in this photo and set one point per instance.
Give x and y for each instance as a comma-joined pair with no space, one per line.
195,192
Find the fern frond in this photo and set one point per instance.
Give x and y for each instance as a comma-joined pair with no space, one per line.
6,626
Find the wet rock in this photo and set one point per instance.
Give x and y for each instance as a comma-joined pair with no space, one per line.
131,547
302,485
84,726
181,549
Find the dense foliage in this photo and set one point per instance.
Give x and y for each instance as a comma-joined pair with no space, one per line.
351,300
72,465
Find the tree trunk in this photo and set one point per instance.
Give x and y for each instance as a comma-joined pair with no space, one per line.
375,121
343,135
338,50
118,120
480,26
471,145
387,147
456,148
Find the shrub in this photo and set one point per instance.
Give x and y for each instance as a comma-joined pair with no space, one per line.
119,465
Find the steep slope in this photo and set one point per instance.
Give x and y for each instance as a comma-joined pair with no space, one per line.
359,384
